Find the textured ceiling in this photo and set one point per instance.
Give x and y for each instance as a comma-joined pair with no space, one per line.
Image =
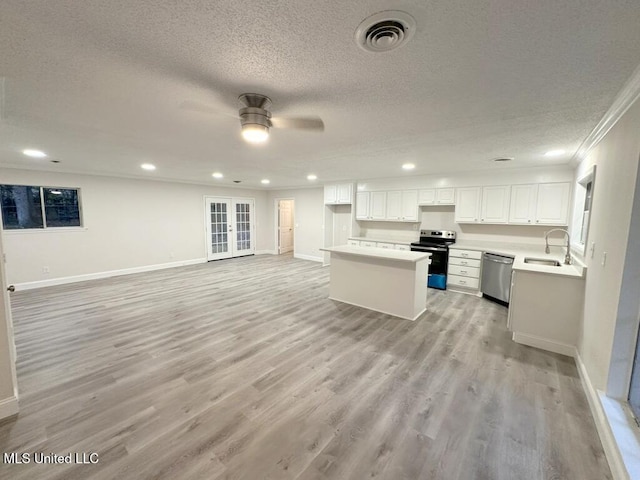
99,85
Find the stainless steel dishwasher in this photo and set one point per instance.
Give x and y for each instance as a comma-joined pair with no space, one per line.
496,276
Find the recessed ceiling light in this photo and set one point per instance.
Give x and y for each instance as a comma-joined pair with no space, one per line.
408,166
554,153
29,152
216,175
148,166
265,181
312,177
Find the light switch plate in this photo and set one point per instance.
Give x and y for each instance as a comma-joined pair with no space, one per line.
604,258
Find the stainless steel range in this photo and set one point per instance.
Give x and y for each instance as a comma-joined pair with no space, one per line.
436,242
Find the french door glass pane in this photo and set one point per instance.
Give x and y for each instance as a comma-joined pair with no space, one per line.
243,226
219,242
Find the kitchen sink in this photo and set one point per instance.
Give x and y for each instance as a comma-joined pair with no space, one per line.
542,261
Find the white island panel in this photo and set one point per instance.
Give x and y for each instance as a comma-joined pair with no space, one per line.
387,281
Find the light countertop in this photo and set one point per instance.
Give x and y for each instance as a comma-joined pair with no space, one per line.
389,254
384,240
520,251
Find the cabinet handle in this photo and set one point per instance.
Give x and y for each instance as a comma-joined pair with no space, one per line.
528,221
482,220
463,282
463,263
464,254
463,271
537,221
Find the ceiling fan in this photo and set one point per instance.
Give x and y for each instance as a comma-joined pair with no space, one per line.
256,119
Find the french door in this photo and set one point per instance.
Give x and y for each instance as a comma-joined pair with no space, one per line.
230,227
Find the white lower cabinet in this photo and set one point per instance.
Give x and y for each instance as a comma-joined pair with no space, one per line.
464,270
398,246
544,310
364,243
465,282
385,245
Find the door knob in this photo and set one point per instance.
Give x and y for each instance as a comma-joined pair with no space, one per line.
11,288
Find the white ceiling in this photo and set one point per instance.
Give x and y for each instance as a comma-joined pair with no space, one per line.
99,85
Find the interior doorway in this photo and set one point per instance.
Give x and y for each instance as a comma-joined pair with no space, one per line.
285,209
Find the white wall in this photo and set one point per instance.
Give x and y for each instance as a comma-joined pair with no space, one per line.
308,218
127,224
616,157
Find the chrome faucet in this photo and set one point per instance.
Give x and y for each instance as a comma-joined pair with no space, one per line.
567,257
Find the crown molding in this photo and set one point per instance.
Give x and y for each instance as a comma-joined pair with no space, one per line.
625,98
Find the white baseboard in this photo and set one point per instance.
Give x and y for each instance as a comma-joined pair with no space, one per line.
308,257
609,444
8,407
378,310
544,344
98,275
266,252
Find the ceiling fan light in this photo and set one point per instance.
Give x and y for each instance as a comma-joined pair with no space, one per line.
255,133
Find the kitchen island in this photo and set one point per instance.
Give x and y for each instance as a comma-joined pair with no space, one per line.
387,281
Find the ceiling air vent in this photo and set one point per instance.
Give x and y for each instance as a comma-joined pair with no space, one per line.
385,31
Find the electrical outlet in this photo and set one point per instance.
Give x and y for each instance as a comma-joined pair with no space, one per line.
45,269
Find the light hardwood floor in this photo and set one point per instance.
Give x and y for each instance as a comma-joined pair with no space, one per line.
243,369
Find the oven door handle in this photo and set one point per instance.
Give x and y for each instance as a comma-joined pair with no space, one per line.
428,249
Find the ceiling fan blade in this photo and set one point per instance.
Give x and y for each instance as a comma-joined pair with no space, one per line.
311,123
203,108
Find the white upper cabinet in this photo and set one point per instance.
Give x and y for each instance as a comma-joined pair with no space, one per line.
378,206
362,205
394,206
540,204
446,196
467,204
330,194
397,205
345,193
427,196
523,204
552,205
437,196
495,204
338,194
410,205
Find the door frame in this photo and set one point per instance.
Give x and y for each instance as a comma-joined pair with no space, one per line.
8,406
276,222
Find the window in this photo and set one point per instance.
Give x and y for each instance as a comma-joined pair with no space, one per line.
26,207
582,210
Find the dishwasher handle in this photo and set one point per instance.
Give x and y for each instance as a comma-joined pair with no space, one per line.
497,258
